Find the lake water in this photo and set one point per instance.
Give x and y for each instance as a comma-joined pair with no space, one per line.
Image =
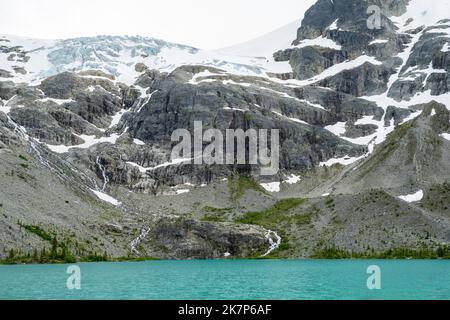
230,279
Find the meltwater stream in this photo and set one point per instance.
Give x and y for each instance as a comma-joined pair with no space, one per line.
231,279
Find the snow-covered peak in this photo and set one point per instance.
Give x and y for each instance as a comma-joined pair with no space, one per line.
266,45
116,55
31,60
423,13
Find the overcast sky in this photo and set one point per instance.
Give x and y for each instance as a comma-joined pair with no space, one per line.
206,24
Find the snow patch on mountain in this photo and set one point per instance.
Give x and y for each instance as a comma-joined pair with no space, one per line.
174,162
104,197
422,13
446,136
345,161
337,129
415,197
319,42
271,186
332,71
89,141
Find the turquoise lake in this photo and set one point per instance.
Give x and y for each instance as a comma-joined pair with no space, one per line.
231,279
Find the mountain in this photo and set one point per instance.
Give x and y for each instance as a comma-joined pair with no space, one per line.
31,60
363,119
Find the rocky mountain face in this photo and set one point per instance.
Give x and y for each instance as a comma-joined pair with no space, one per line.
363,116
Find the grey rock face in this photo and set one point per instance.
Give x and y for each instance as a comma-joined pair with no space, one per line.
413,157
5,74
352,33
7,90
86,105
191,239
177,105
427,66
365,80
398,114
350,14
310,61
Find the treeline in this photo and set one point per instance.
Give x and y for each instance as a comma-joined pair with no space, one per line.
441,252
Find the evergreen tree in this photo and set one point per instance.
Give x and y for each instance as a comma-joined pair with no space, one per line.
35,255
54,250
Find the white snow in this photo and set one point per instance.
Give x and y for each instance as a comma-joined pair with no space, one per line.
286,95
367,120
37,51
234,109
331,71
89,141
115,120
266,45
319,42
343,161
292,179
90,89
5,108
378,41
418,196
254,57
383,101
244,84
138,142
103,196
445,48
260,51
446,136
337,129
429,71
163,165
347,65
144,98
276,185
189,184
422,12
271,186
119,56
433,113
57,101
291,119
203,74
334,26
182,191
366,140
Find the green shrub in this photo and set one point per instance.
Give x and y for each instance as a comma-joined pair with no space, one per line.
271,217
238,185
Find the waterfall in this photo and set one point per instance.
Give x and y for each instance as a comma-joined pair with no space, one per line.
133,244
105,177
273,245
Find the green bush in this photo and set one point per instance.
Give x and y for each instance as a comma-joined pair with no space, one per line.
271,217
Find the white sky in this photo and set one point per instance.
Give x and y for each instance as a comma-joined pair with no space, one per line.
206,24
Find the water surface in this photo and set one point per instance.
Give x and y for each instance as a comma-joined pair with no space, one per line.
231,279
